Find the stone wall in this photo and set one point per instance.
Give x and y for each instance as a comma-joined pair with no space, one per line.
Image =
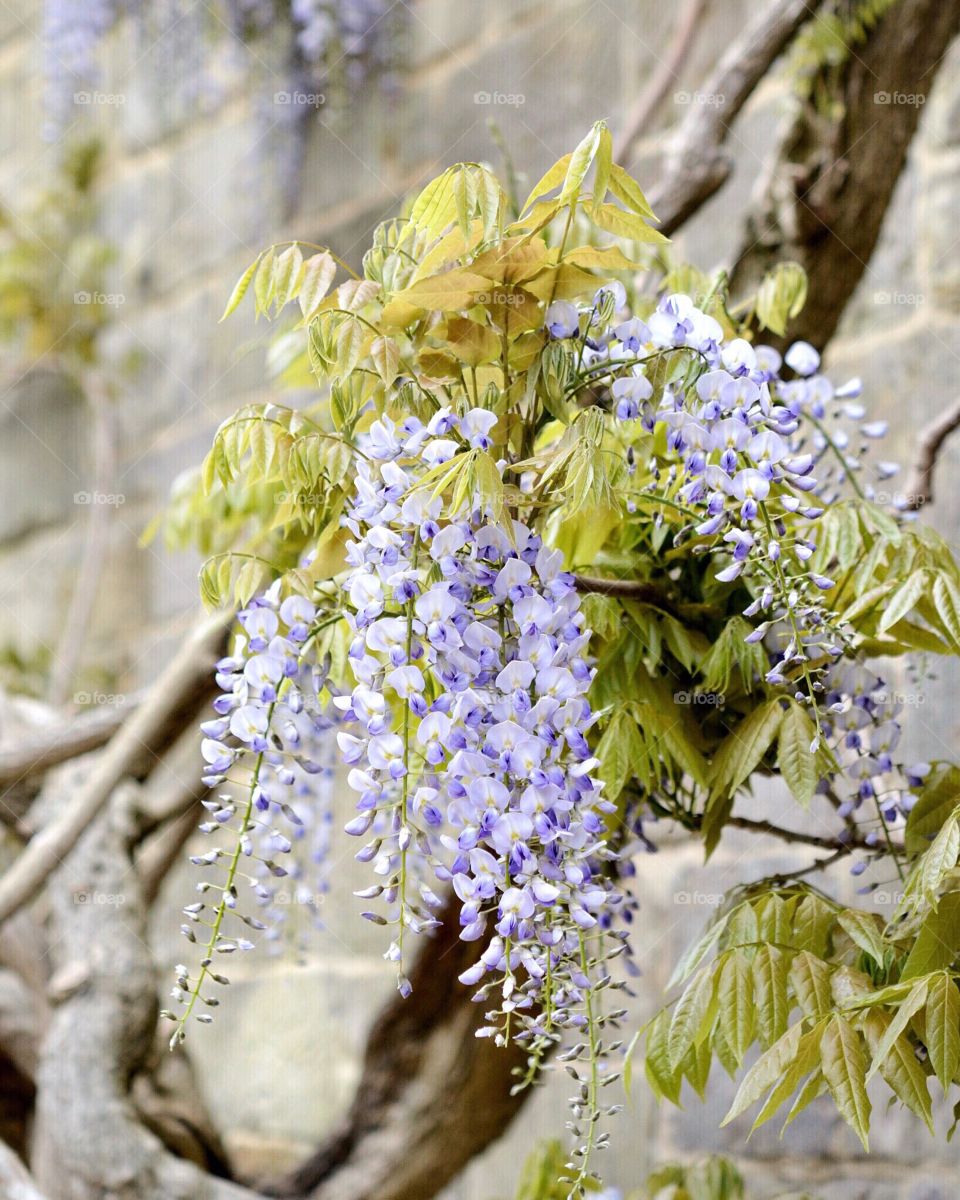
189,201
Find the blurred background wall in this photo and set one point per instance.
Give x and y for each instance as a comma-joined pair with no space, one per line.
208,156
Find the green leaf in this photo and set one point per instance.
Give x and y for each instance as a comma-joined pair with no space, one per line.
844,1068
694,955
864,930
771,970
742,751
805,1060
688,1016
765,1072
938,800
911,1005
942,1028
797,762
813,1088
614,751
937,942
900,1069
810,977
664,1081
240,288
903,600
735,996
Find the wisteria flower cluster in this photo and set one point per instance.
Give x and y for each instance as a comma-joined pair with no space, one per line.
470,757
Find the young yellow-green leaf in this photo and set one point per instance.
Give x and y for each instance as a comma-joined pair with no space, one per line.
549,180
900,1069
780,296
263,284
942,1028
911,1005
798,764
946,600
771,970
248,581
765,1072
436,206
626,225
844,1067
688,1016
864,929
490,199
319,272
465,195
810,977
811,924
628,192
240,288
386,358
735,996
349,343
903,600
580,162
287,274
604,166
940,858
605,258
448,292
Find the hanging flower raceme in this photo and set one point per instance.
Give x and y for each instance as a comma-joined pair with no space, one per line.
267,748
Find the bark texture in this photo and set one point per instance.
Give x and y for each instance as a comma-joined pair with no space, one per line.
831,184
